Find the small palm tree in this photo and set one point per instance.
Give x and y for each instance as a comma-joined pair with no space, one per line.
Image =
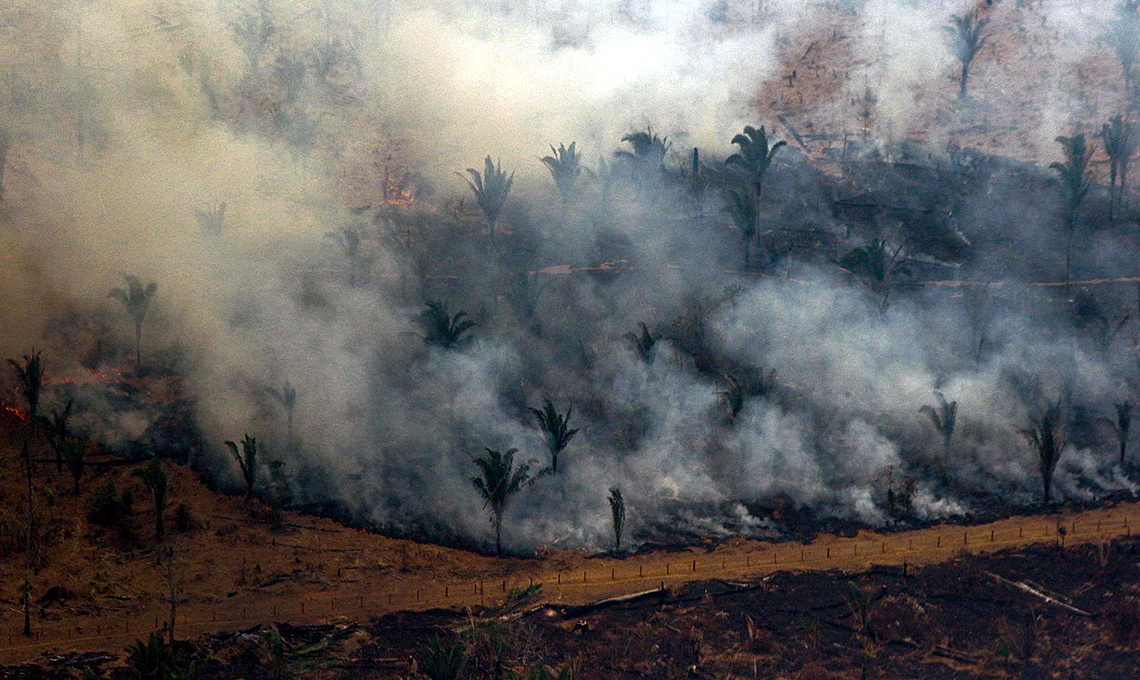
648,150
741,207
156,483
943,417
56,429
30,378
643,342
287,397
74,458
555,430
247,460
966,36
491,190
750,383
1121,425
1077,181
876,266
754,157
1120,145
498,483
136,300
442,329
211,218
151,660
441,661
565,166
348,238
1047,437
617,510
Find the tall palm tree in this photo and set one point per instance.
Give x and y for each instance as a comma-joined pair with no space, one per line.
754,157
1077,181
565,166
1121,425
157,485
944,417
287,397
442,329
617,510
966,36
247,460
1047,437
136,300
555,430
30,378
491,190
498,483
1120,145
741,207
698,184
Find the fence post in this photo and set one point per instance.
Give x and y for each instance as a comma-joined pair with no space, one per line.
694,566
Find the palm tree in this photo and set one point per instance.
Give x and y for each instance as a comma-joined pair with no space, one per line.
211,218
287,397
56,428
155,481
565,166
1047,437
1121,425
617,509
443,330
741,207
943,417
1077,181
348,238
73,456
247,460
966,36
876,266
750,383
253,31
648,152
1124,36
698,184
643,342
30,378
754,157
151,660
491,190
498,483
1120,144
136,300
555,430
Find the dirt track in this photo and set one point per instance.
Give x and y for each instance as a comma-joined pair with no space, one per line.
565,578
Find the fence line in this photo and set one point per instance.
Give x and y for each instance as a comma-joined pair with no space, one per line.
490,592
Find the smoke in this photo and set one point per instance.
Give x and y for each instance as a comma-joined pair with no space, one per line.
128,124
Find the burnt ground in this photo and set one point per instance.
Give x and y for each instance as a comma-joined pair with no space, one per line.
952,620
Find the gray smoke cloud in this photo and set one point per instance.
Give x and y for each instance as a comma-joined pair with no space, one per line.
176,117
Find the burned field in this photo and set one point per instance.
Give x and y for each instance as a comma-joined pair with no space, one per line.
1040,612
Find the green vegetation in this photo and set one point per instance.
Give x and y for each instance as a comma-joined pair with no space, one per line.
643,342
498,483
439,660
1120,144
555,430
491,190
565,166
877,267
1046,435
1076,180
443,330
617,511
754,158
943,417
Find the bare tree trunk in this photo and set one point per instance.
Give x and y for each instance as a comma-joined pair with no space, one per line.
28,545
173,592
962,80
138,348
5,144
499,534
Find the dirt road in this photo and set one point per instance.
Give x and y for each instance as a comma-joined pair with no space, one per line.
566,578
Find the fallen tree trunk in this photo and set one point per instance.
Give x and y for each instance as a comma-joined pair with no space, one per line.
1051,599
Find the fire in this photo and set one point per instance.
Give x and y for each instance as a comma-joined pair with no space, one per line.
16,412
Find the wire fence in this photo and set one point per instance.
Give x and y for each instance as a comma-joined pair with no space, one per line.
621,578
